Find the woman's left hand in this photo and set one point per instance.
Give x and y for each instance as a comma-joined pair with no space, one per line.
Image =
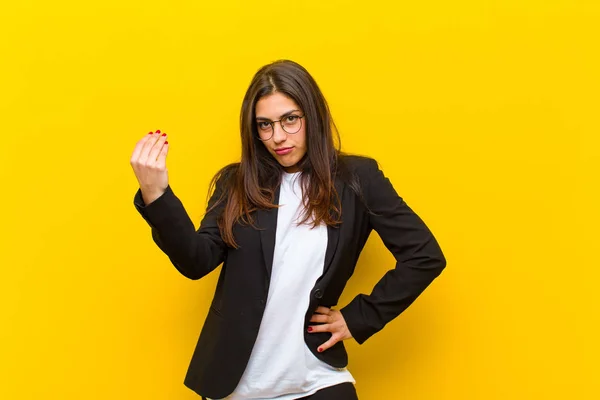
334,322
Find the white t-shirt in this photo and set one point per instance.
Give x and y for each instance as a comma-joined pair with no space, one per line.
281,366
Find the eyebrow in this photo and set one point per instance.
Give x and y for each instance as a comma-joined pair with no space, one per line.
281,116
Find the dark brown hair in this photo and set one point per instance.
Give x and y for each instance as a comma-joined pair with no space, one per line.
251,183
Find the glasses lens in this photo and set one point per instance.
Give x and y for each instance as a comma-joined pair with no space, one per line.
264,130
291,123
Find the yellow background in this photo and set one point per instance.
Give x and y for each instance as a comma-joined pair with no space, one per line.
484,114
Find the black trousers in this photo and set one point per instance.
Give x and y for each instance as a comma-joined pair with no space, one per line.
342,391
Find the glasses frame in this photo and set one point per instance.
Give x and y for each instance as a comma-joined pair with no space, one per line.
272,123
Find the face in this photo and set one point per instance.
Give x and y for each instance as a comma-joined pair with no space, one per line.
287,148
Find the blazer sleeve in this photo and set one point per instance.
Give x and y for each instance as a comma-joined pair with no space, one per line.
419,259
194,253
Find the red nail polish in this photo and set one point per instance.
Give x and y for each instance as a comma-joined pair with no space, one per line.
150,133
310,328
158,131
164,134
320,349
166,142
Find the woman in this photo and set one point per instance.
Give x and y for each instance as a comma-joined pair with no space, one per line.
288,222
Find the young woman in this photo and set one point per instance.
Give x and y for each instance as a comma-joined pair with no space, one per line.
288,222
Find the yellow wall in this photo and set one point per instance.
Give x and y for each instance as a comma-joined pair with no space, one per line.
483,113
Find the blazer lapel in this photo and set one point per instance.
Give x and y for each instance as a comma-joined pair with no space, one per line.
267,223
333,233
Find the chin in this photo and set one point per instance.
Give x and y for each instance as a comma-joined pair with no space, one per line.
283,161
288,164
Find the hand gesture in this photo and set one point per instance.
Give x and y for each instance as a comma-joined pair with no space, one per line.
149,165
333,322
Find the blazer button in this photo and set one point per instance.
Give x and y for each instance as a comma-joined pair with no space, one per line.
318,293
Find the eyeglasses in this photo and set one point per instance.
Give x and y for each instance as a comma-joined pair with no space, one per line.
290,124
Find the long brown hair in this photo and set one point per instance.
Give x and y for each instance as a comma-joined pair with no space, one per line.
251,183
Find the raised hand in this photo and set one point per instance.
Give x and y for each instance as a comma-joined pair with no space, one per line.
149,165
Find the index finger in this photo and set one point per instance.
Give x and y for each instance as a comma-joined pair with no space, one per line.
328,344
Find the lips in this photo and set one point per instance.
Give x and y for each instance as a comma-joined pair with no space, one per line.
284,150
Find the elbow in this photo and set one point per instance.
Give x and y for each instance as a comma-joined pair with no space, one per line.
434,263
190,270
437,259
194,260
441,262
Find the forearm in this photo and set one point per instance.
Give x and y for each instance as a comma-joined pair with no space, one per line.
193,252
394,293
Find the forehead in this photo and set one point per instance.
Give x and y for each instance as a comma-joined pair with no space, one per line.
274,105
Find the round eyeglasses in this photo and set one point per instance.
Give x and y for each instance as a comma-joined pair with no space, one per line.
290,124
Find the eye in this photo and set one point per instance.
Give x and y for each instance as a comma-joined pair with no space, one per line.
291,118
263,125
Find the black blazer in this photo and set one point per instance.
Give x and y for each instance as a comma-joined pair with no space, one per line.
234,317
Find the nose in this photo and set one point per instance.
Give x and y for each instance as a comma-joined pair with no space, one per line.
279,135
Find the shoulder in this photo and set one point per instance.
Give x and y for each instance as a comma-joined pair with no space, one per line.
360,173
224,179
227,173
358,165
230,168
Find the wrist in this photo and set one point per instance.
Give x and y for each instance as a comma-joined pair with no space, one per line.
150,195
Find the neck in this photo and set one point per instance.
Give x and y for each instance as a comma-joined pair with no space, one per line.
292,169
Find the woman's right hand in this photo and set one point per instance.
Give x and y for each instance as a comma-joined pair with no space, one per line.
149,165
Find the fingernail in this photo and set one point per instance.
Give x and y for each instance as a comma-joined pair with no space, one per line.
164,134
150,133
310,328
158,131
166,142
320,349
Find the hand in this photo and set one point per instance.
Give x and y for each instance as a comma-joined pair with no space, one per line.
149,165
333,322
